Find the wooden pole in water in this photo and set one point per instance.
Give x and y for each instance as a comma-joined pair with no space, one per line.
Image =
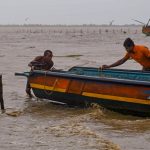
1,95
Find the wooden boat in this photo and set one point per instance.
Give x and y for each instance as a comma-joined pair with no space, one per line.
145,28
126,91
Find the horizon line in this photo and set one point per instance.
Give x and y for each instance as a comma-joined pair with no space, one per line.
67,25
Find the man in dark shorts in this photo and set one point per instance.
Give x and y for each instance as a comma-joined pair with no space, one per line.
40,63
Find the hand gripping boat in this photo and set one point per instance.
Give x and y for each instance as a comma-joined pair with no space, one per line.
126,91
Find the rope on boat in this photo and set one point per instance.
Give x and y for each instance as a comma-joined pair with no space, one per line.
100,72
52,90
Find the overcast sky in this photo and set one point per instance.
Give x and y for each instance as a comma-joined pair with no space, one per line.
73,11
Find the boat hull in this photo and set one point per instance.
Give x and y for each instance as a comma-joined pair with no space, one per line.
146,30
122,95
74,100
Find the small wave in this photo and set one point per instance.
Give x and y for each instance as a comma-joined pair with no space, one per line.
2,55
30,47
74,128
15,113
22,56
70,56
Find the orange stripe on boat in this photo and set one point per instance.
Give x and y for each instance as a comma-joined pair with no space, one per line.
94,95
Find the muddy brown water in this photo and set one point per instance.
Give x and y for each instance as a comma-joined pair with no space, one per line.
39,125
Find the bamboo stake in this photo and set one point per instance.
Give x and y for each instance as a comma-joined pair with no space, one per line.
1,95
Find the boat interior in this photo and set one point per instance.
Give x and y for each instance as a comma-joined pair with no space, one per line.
111,73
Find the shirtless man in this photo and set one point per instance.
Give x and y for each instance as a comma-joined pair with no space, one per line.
40,63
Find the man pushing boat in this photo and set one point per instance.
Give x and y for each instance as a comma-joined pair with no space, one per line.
40,63
139,53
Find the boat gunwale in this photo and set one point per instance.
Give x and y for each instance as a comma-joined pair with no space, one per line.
90,78
118,70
